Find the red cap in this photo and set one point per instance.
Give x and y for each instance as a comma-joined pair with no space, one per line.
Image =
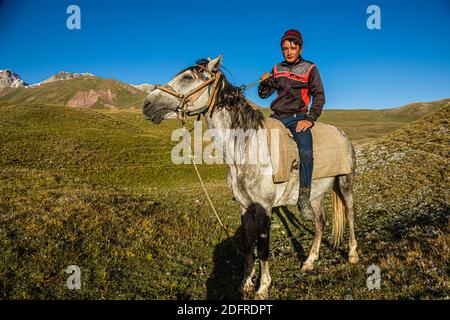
293,34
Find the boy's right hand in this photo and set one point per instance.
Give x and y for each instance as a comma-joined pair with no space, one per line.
265,76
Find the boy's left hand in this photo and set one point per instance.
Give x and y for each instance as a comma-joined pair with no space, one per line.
302,125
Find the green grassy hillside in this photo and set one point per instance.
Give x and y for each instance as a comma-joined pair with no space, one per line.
362,125
92,92
101,93
97,189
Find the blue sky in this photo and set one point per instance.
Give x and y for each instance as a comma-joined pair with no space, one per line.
136,41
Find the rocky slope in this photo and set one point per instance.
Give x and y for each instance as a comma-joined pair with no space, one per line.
409,167
63,75
402,204
9,79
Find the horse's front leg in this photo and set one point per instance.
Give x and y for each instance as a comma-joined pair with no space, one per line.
248,238
263,218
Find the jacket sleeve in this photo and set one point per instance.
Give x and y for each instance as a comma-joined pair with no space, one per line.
318,95
267,87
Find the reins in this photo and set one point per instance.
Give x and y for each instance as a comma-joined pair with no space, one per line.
245,87
183,113
236,247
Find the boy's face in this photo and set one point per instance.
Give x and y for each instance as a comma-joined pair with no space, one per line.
291,51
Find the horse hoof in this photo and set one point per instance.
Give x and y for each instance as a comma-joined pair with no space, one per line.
246,295
261,296
246,288
307,267
353,258
246,291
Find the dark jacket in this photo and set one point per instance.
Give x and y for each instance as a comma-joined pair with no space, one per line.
295,84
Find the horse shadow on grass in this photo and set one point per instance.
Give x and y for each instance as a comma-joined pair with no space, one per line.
308,228
292,225
228,270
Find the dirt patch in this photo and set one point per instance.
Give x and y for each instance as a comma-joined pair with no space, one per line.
86,99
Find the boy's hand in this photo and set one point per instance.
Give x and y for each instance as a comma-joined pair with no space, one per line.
302,125
265,76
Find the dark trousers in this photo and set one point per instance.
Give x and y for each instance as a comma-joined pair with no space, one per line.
305,147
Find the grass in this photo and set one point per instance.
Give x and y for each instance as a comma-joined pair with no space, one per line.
362,125
97,189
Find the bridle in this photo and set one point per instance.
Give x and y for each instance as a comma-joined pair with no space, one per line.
193,95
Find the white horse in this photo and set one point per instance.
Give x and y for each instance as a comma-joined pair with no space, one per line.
202,89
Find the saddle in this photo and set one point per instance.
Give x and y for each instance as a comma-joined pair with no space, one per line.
331,151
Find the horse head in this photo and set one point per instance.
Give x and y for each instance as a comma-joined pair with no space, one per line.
188,93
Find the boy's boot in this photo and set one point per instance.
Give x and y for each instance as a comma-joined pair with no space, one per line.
303,203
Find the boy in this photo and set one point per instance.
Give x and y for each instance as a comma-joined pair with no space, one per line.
296,80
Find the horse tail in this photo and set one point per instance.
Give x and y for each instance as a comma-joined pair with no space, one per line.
338,205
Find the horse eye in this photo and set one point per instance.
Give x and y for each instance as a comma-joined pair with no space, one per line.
188,77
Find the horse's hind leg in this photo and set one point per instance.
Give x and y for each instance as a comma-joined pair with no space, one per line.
320,220
248,238
346,188
263,217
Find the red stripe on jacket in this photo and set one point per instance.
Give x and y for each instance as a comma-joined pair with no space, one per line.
293,76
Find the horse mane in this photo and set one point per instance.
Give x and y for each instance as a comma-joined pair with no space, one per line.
242,114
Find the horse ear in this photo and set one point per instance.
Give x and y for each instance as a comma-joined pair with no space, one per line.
214,64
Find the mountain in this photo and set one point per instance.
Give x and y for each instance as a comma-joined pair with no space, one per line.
63,75
88,90
145,87
9,79
77,90
415,110
363,125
